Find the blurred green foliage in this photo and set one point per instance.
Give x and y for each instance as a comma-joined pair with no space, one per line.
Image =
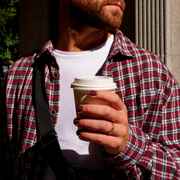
1,82
9,30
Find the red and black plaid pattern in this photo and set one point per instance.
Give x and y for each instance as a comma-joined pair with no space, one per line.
144,84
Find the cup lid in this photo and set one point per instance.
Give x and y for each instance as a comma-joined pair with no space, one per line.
93,82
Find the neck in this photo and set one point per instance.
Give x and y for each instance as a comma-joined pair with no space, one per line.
74,36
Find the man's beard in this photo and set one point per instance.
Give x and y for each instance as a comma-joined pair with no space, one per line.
91,13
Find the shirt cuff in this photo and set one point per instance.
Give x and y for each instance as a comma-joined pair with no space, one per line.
134,151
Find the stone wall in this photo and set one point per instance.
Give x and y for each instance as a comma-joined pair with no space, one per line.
174,64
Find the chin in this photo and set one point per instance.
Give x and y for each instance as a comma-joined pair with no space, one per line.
111,28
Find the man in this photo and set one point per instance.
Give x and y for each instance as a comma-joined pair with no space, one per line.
136,136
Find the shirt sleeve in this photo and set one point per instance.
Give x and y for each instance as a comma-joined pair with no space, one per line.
153,150
4,165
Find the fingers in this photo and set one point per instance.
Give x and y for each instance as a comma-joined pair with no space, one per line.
104,111
104,140
98,126
98,111
97,131
114,109
111,98
106,124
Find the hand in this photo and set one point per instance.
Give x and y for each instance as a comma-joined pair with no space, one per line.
98,122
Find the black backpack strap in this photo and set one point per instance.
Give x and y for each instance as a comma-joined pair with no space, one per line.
48,135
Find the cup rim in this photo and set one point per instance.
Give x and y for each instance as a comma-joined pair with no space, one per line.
88,82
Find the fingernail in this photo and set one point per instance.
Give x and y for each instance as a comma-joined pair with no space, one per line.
78,132
93,93
79,108
76,121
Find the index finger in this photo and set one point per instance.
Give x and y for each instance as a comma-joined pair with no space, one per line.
109,97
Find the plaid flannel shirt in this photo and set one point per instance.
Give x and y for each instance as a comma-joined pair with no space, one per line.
144,84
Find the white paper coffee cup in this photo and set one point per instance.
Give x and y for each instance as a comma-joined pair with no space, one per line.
83,85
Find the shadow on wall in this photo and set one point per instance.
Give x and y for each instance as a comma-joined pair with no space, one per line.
128,25
54,19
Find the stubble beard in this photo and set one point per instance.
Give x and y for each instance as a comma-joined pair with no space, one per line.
90,14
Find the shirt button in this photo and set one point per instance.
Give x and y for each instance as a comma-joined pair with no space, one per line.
55,75
53,112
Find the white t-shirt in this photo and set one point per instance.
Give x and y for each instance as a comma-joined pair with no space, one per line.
74,64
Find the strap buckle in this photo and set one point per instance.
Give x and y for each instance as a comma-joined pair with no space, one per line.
48,138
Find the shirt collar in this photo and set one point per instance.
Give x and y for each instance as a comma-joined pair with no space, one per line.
48,48
121,45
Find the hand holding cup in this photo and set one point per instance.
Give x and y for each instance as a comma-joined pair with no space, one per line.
105,123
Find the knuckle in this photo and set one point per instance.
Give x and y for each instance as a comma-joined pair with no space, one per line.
103,126
99,139
116,98
123,132
108,111
88,108
84,123
116,145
